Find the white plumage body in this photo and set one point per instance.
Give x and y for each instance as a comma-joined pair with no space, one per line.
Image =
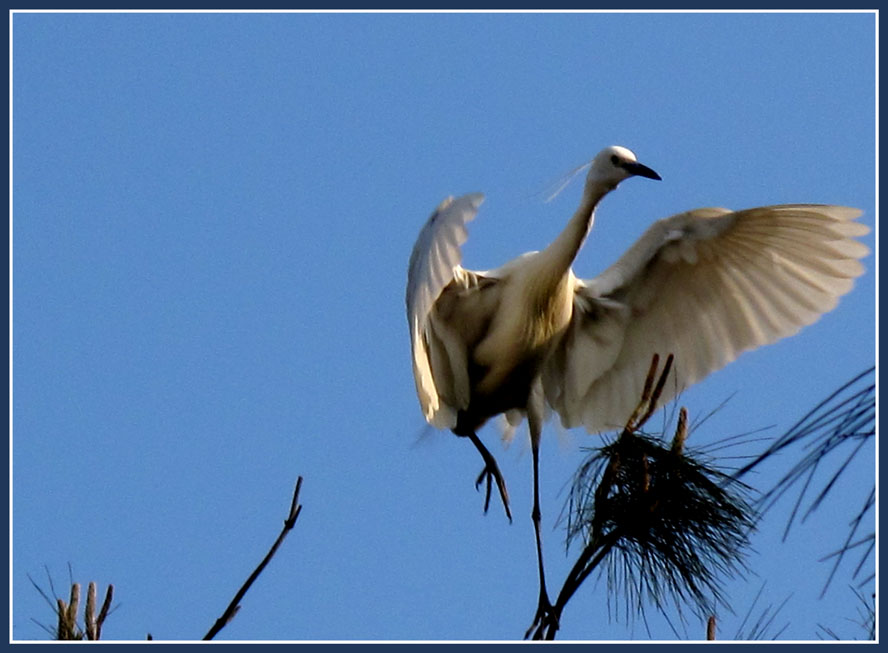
704,285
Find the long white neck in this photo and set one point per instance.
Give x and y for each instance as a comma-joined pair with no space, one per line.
557,258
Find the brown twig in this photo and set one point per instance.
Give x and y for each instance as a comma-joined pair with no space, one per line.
63,632
67,613
645,394
681,431
89,615
234,606
106,606
92,623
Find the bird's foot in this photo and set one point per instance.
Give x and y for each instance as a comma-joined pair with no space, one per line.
545,622
491,473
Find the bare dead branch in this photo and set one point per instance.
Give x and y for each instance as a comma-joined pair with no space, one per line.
234,606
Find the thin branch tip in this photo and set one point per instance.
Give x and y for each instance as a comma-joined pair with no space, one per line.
234,606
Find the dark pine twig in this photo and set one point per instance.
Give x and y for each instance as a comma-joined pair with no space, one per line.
844,420
234,606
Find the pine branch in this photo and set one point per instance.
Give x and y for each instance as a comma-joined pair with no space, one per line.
661,522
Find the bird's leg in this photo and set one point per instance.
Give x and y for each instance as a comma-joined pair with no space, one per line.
546,617
545,614
490,473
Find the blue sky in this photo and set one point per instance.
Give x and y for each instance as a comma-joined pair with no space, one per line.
212,216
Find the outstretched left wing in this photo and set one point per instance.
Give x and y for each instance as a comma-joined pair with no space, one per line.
435,257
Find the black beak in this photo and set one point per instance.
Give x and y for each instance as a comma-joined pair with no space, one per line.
641,170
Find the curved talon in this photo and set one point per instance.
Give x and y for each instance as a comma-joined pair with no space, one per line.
489,473
485,474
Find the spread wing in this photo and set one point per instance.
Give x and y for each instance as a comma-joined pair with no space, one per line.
434,263
705,286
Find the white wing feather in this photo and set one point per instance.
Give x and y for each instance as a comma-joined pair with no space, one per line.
705,286
434,261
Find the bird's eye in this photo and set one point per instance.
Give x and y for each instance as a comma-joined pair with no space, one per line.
615,159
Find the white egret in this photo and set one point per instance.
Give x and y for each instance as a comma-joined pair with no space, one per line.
704,285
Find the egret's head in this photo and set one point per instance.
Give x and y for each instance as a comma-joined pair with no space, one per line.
614,164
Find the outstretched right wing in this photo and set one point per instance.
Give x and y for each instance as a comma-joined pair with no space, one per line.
705,285
435,258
